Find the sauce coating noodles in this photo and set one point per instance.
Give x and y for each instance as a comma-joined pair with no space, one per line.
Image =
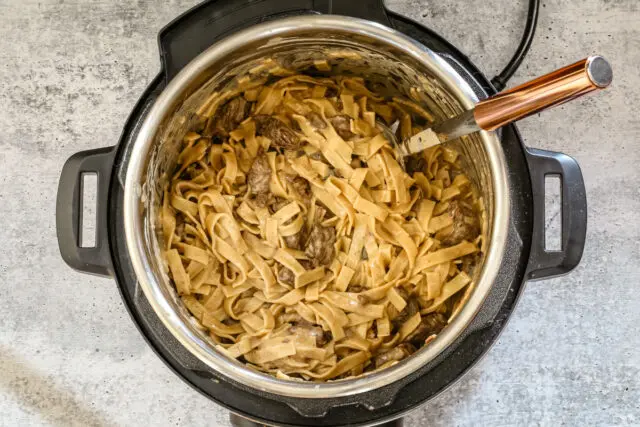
294,236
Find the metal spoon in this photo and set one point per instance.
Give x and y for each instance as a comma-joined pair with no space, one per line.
560,86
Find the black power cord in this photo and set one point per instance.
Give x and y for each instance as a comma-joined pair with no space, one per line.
500,81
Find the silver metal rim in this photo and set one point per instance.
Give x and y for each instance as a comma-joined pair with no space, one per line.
203,350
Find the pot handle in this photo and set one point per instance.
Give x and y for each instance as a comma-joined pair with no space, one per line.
94,260
545,264
194,31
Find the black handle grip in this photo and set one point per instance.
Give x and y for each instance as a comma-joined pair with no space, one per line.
94,260
542,263
193,32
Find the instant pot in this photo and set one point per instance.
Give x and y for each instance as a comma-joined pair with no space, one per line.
204,51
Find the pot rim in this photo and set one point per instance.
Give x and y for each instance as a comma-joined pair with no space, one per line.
134,211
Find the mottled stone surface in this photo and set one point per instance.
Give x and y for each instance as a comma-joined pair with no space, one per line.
70,71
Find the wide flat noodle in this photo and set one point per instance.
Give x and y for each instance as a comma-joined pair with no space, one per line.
271,353
180,276
444,255
403,238
396,299
344,278
448,290
409,326
396,177
309,276
350,303
328,316
368,208
194,253
232,255
265,271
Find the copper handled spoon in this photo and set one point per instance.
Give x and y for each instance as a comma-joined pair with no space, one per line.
565,84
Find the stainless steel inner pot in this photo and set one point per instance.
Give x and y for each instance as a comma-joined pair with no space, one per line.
398,64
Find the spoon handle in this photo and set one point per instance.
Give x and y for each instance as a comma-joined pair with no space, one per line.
552,89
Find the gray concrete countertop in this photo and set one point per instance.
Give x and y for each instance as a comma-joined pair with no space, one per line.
71,71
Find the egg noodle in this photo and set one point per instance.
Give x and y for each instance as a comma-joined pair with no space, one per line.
301,245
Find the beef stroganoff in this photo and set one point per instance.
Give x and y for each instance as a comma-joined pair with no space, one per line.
296,239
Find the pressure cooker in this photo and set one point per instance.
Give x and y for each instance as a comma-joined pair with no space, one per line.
201,52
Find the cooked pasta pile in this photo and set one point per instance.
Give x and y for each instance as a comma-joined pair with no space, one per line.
294,236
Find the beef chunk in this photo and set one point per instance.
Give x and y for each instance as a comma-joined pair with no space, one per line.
415,163
465,224
277,204
402,292
286,276
331,92
321,213
258,179
263,199
179,224
412,307
342,125
468,265
308,265
230,115
371,333
307,329
278,132
295,241
301,186
327,336
192,171
316,120
320,248
397,353
431,324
